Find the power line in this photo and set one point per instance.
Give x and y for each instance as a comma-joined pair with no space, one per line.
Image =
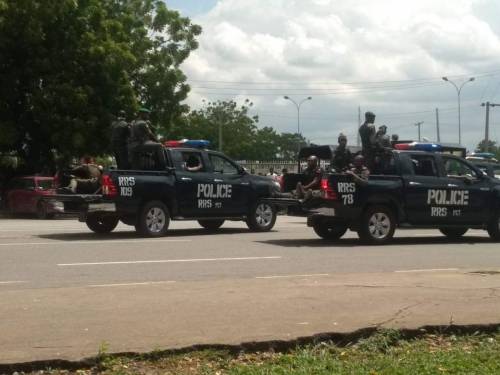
295,82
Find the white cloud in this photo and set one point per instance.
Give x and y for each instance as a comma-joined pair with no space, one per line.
310,47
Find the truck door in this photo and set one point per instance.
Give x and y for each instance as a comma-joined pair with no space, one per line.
422,185
475,196
234,185
191,178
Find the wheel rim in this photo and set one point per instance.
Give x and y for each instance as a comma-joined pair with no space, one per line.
155,220
263,214
379,225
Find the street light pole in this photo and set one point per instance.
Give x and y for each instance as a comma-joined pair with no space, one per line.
298,125
459,90
419,124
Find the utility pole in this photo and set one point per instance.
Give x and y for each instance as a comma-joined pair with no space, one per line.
437,126
419,124
487,125
359,124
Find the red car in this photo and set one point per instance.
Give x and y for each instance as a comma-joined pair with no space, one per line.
23,196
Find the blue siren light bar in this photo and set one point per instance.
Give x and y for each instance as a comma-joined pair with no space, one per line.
419,146
195,143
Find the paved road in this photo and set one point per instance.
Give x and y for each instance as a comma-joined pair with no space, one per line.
64,290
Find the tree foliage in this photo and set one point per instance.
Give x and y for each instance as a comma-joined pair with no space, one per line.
67,66
241,138
492,147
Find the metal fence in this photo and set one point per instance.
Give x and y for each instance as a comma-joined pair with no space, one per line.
260,167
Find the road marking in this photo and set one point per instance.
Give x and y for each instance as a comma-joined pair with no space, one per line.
291,276
91,242
167,261
428,270
131,284
12,282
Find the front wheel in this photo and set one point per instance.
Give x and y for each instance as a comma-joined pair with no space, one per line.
261,217
211,224
377,226
153,220
329,231
494,228
453,233
101,224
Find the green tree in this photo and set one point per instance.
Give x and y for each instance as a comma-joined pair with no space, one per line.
237,126
241,138
68,66
492,147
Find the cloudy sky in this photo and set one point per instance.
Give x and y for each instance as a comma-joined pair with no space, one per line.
387,56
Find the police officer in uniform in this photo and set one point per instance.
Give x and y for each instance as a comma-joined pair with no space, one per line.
342,155
383,147
120,132
140,135
367,135
359,172
312,179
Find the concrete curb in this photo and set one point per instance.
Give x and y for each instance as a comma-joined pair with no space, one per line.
339,339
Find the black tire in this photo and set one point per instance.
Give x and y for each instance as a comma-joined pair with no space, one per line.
261,217
378,224
41,211
494,228
211,224
153,220
453,233
101,223
328,231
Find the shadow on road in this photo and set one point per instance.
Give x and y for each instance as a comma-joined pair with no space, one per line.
91,236
397,241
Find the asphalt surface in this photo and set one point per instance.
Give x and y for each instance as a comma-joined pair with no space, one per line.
65,291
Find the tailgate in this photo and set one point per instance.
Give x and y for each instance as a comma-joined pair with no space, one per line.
82,203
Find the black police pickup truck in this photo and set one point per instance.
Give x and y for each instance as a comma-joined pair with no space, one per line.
415,189
176,183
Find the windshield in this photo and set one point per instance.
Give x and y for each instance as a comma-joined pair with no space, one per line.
44,184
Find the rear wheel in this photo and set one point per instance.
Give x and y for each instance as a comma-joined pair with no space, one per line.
329,231
453,233
262,217
153,220
211,224
378,224
101,223
494,228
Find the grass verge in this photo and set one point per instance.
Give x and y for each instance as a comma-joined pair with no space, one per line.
385,352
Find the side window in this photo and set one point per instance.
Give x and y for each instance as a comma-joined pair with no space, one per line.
222,165
192,161
28,183
423,165
456,168
388,165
